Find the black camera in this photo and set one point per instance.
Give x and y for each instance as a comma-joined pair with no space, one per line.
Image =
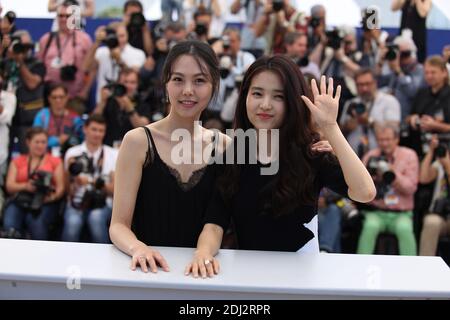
358,107
117,89
315,22
19,47
334,39
33,202
137,20
68,72
392,52
380,166
441,150
303,62
94,197
225,65
201,29
277,5
226,42
442,207
111,40
81,164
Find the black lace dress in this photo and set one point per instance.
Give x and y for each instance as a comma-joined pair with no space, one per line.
169,212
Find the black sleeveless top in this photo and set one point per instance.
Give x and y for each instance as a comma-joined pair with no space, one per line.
169,212
412,20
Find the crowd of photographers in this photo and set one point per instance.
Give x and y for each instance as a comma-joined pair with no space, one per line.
394,111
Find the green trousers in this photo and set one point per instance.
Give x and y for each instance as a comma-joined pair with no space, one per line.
398,223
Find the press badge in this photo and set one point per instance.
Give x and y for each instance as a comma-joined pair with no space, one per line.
56,63
56,151
391,199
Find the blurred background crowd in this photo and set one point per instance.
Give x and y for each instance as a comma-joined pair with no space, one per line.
69,94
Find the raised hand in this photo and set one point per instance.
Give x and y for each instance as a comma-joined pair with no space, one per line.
325,108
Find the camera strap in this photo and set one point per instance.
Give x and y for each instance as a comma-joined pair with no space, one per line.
31,174
61,50
97,169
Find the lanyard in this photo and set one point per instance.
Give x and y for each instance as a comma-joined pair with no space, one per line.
99,167
58,124
31,174
60,51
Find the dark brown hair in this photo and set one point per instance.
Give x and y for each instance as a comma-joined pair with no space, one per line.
294,181
34,131
203,54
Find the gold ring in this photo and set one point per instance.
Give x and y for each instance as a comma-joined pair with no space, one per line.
207,262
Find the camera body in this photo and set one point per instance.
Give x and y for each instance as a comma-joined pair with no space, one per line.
335,38
226,42
117,89
18,47
111,40
94,196
225,65
358,107
379,166
277,5
68,72
315,22
201,29
392,52
33,202
137,20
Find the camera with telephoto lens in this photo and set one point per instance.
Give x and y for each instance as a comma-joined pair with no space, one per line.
358,107
81,164
225,65
315,22
117,89
201,29
379,166
335,38
68,72
94,197
441,207
111,40
226,42
392,52
277,5
18,47
42,180
443,146
137,20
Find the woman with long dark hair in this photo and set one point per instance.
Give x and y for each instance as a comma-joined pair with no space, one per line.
272,212
158,200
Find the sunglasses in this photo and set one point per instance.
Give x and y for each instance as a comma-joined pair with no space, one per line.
64,15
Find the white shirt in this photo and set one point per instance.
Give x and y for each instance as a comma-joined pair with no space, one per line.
8,101
109,163
109,69
385,108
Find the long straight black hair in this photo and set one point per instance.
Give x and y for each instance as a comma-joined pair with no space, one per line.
295,178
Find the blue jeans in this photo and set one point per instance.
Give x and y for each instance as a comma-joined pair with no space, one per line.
97,220
16,218
330,229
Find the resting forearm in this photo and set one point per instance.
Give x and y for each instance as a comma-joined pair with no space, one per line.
210,239
359,181
124,239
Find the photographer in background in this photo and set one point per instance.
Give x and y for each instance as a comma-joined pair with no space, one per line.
254,9
369,107
395,171
232,64
123,107
296,45
7,28
115,55
63,126
139,35
403,76
24,76
63,53
279,17
436,222
430,112
35,182
90,176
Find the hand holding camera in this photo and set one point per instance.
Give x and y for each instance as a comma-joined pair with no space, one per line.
427,123
29,186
